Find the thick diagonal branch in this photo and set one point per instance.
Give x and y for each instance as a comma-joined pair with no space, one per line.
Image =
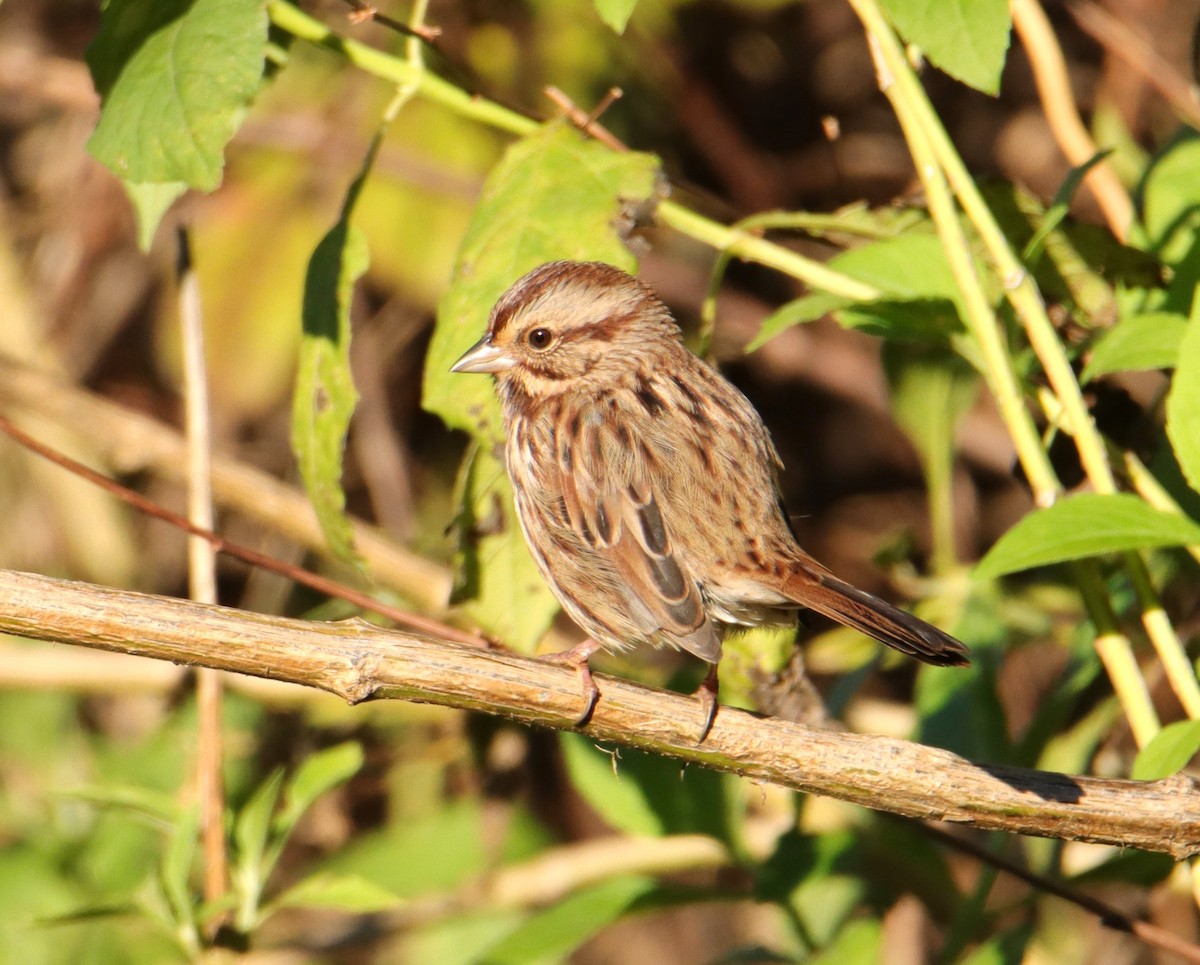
358,661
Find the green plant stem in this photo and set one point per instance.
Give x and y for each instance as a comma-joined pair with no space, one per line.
980,320
939,167
405,73
399,71
1117,656
1155,621
1162,635
1150,489
752,247
1019,286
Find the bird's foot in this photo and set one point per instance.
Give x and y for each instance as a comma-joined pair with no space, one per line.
707,693
577,659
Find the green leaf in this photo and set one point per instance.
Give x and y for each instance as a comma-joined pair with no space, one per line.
499,585
968,39
1171,199
909,266
806,309
174,77
1142,868
417,855
150,202
1059,207
551,935
176,869
1183,402
932,389
820,879
251,831
1009,948
645,794
321,772
594,773
158,808
1168,751
350,893
858,941
325,396
920,299
1085,525
553,195
1149,341
1171,218
615,13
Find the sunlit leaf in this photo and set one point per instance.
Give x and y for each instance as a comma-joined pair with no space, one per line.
645,794
350,893
175,78
1183,402
615,13
325,395
499,586
968,39
1149,341
1168,752
319,773
1085,525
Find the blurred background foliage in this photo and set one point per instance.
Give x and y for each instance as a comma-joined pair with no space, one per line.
397,833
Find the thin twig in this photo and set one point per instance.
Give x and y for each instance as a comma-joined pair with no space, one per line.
1058,102
589,122
1110,917
202,575
131,442
244,553
365,13
1124,43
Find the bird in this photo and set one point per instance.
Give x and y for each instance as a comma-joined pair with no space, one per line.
646,484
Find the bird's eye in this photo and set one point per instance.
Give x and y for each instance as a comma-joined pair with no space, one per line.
540,338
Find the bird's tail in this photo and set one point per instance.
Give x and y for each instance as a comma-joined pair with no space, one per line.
852,607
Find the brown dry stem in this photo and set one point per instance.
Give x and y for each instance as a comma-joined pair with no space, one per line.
358,662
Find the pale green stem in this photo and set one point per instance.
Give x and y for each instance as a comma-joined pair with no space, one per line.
403,72
1155,621
936,159
399,71
980,320
1019,287
415,51
1116,654
1150,489
1167,645
751,247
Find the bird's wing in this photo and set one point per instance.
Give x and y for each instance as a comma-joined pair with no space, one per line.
608,489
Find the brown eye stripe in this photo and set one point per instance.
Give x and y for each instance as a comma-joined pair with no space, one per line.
602,331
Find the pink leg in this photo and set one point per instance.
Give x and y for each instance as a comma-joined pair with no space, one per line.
707,692
577,658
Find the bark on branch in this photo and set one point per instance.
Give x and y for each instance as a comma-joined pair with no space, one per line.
358,662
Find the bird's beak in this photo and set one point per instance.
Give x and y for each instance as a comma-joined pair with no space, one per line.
483,356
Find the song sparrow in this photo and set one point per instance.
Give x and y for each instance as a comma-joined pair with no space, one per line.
646,483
